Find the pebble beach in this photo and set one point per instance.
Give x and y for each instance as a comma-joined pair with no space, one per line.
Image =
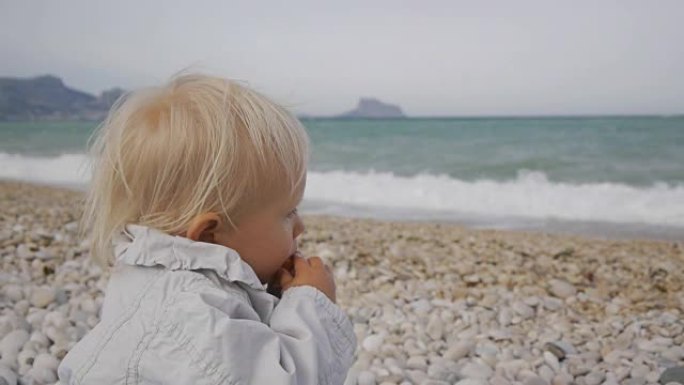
432,304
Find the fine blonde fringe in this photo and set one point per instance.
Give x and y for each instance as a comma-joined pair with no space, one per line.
199,143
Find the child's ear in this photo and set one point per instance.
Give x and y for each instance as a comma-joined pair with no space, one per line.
204,227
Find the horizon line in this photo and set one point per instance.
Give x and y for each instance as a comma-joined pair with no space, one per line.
494,116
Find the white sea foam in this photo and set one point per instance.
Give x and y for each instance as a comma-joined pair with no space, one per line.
63,170
529,196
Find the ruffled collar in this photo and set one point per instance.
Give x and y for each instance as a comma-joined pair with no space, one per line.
147,246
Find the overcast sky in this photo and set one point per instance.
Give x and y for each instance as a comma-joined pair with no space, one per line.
318,57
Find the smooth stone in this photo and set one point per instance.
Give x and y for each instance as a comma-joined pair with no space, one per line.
523,310
546,373
639,371
36,318
13,342
22,307
498,380
89,306
535,380
416,376
45,254
12,321
421,306
373,342
552,303
23,251
13,292
442,372
562,379
433,382
594,378
674,353
7,375
435,328
560,349
61,296
42,296
551,360
366,377
46,360
610,381
500,335
417,362
471,381
478,371
504,317
578,368
561,288
635,381
459,351
649,346
42,376
674,374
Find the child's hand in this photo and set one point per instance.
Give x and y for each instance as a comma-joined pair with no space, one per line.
274,287
308,272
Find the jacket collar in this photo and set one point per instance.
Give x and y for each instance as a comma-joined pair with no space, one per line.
147,246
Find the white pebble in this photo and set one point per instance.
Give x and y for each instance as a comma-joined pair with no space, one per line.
435,328
46,360
42,376
471,381
458,351
552,361
366,377
12,343
7,375
42,296
373,342
417,362
13,292
561,289
478,371
523,310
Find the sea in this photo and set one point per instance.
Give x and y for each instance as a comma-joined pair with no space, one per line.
608,177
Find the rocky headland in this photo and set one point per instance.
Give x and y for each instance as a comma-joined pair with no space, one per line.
46,98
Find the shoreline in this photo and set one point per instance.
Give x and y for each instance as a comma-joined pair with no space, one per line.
430,302
582,229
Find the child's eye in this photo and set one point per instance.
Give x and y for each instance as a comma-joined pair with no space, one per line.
292,213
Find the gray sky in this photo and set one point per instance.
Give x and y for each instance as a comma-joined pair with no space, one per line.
318,57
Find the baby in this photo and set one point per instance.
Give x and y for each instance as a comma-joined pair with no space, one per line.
193,206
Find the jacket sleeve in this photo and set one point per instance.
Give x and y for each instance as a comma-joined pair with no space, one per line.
309,340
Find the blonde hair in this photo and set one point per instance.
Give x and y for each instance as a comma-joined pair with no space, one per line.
199,143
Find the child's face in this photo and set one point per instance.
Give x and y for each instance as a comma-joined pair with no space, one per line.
267,238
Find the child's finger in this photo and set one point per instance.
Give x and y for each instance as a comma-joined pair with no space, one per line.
285,278
316,262
300,264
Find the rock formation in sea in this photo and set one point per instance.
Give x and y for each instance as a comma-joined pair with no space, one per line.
373,108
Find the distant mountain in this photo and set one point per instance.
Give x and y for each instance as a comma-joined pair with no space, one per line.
373,108
47,98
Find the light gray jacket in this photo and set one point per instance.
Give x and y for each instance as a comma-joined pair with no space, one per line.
183,312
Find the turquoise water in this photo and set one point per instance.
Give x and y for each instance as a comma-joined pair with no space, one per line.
636,151
633,151
605,173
